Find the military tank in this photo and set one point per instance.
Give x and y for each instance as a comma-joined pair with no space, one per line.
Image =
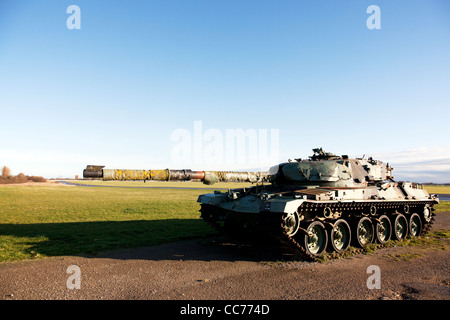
326,203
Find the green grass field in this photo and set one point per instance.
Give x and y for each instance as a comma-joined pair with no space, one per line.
437,189
42,221
50,221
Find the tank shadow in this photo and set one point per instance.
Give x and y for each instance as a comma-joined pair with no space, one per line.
218,248
167,239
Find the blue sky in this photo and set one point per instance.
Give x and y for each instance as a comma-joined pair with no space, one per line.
115,91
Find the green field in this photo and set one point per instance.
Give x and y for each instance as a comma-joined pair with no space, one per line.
437,189
42,221
49,221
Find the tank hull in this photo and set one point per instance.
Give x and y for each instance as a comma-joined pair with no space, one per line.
314,220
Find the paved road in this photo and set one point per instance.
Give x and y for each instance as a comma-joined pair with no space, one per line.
204,269
444,197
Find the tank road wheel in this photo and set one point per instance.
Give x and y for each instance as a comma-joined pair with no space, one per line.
415,225
400,227
340,236
291,223
383,229
364,232
316,239
427,215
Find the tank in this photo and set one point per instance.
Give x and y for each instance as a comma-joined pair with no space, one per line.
326,203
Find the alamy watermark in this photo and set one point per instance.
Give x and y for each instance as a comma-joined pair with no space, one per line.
374,20
74,20
239,147
74,280
374,280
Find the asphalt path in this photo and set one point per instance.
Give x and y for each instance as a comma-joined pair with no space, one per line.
217,269
139,187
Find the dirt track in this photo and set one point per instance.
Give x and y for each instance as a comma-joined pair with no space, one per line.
204,269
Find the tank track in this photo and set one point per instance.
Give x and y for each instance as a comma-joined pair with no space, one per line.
290,244
275,224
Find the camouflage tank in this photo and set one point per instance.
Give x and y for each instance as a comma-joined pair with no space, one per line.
324,203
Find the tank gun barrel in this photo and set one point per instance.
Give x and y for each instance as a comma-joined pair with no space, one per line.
207,177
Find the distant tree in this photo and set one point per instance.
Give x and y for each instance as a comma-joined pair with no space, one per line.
36,179
6,172
20,178
7,178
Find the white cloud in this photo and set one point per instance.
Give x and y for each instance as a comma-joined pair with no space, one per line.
421,165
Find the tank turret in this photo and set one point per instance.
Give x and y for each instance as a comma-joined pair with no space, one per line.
328,170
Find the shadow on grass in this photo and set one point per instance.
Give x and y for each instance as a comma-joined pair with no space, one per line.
126,240
90,238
